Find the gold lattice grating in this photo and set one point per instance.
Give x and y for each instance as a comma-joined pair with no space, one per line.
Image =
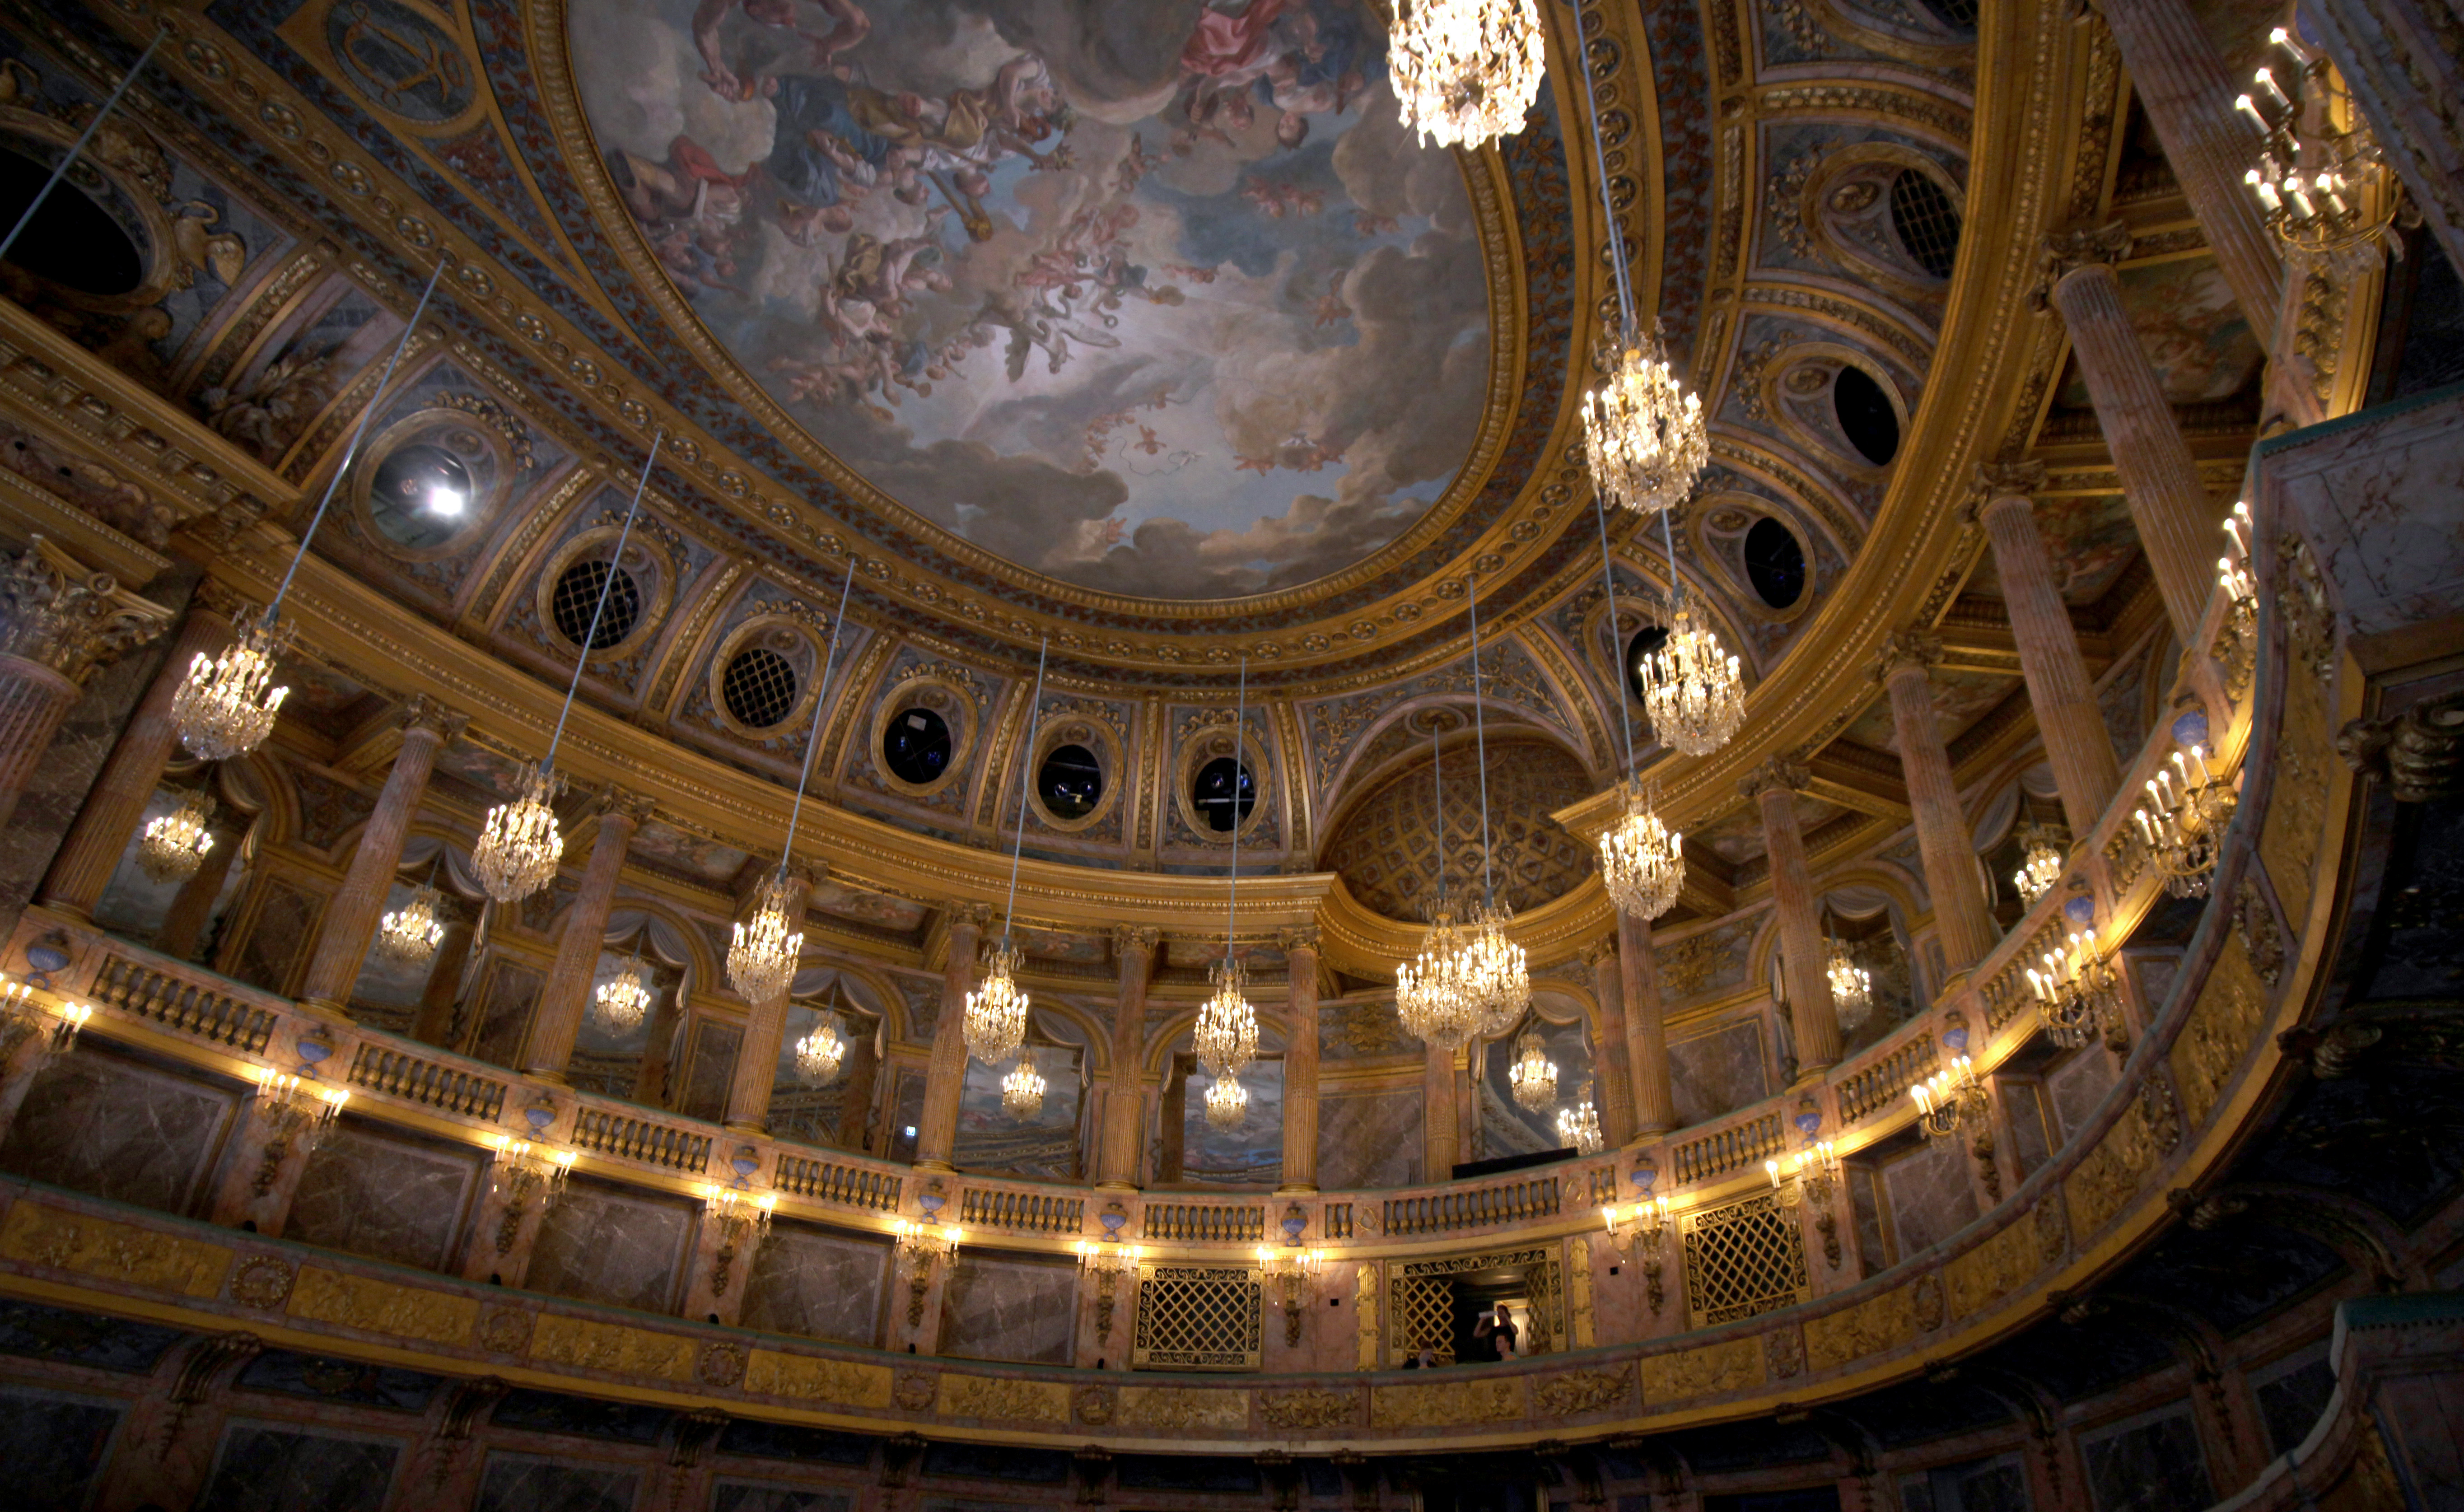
1423,1310
1196,1318
1419,1301
1742,1258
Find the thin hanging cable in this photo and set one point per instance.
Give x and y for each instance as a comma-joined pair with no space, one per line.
1438,778
821,706
358,433
1676,587
1616,646
78,150
1240,770
1608,213
614,561
1480,736
1018,847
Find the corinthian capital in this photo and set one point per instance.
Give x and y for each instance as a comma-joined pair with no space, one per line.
2067,252
2002,480
1910,648
1129,937
55,612
1298,937
1778,774
419,712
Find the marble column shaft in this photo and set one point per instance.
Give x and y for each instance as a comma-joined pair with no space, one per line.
658,1052
351,919
1647,1027
765,1025
1300,1063
945,1074
59,625
566,997
100,833
34,700
1612,1082
2160,481
1439,1134
1815,1019
1117,1155
1949,858
2059,691
443,993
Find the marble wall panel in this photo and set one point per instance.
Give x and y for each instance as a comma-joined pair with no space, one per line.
1369,1139
529,1483
2293,1402
274,947
52,1446
610,1244
119,1128
1715,1073
756,1496
285,1373
1866,1209
1009,1308
264,1469
709,1068
1929,1195
755,1440
369,1190
39,1333
2031,1134
2074,1090
2148,1462
819,1283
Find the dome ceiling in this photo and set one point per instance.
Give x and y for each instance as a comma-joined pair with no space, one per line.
1388,853
1175,310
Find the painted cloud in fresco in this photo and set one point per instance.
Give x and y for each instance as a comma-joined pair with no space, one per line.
1155,296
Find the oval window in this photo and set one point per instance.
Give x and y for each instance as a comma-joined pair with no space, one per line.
576,600
1223,794
73,241
1071,781
916,747
1865,415
1648,640
759,687
421,496
1774,563
1925,221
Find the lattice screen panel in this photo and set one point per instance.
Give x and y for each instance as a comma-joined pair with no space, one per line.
1196,1318
1742,1258
1421,1298
1422,1315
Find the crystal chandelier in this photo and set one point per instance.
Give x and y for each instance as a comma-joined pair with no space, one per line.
410,934
227,703
2310,178
995,1020
1643,434
520,846
1579,1126
819,1052
763,960
624,1001
1022,1089
1227,1104
2183,822
1852,986
1492,969
2076,991
174,845
1532,1075
1464,71
1693,690
1430,996
2040,865
1643,861
1227,1028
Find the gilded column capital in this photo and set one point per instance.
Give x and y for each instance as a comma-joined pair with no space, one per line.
2067,252
1128,937
1911,647
56,613
1601,955
221,600
1297,937
976,916
636,807
419,712
2002,480
1778,774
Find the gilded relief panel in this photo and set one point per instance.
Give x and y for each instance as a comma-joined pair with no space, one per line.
1707,1371
1994,1269
1871,1326
2217,1039
2296,800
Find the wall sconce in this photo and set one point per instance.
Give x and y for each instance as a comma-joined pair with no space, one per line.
1107,1261
920,1247
1642,1224
22,1017
1948,1098
2184,822
1287,1272
294,1112
2077,992
742,1221
1811,1175
525,1170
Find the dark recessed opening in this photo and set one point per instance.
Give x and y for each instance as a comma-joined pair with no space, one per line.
916,747
1865,415
576,595
1648,640
73,241
1212,794
1774,563
759,687
1926,222
1959,15
421,498
1071,781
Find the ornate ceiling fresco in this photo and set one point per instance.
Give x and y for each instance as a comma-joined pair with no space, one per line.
1178,311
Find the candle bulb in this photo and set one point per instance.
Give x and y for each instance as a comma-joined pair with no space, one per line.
2266,80
2280,37
1773,1167
2199,756
2244,104
2267,194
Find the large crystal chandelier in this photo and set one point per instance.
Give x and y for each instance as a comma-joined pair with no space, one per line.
174,845
761,961
1643,861
996,1019
1227,1026
1227,1104
1532,1075
227,703
1692,689
1643,433
2040,864
1579,1126
1022,1089
625,1001
819,1052
1852,986
1493,970
1429,994
410,934
1464,71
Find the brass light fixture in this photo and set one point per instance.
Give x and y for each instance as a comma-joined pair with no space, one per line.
1852,986
1495,974
2184,822
1694,692
1579,1126
996,1017
1107,1260
1285,1273
1644,1226
1022,1089
1948,1098
921,1245
227,704
2041,863
173,845
2312,174
741,1221
295,1113
21,1017
527,1170
1532,1074
1227,1104
410,934
1430,996
1464,71
2078,992
1227,1027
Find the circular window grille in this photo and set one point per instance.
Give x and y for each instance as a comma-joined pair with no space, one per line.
1928,224
577,597
760,688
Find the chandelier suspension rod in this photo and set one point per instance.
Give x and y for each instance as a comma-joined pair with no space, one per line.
84,137
1240,769
1608,211
1438,775
1676,585
359,432
820,705
605,585
1018,845
1479,739
1617,639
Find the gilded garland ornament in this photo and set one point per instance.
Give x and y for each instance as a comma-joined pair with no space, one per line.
173,846
1532,1074
1464,72
410,934
1023,1088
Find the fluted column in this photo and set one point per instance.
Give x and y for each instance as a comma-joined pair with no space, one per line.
1943,845
756,1062
59,625
1117,1157
443,993
2059,690
566,997
351,919
1612,1082
1647,1027
2160,481
133,771
2181,81
1300,1061
1773,787
1441,1137
945,1075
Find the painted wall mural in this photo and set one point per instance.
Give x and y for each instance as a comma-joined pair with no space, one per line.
1159,299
